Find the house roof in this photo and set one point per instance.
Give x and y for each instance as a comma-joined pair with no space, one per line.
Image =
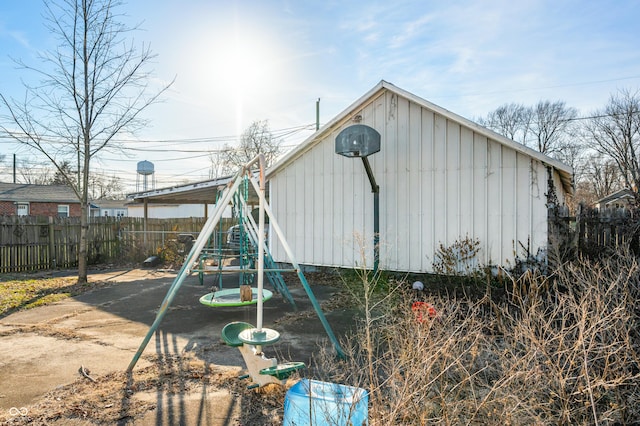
28,193
565,172
192,193
109,204
623,193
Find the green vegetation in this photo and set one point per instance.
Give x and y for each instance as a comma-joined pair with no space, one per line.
16,294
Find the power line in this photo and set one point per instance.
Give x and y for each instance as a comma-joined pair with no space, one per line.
559,86
276,134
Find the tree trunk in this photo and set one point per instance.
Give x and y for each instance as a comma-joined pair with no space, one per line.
82,252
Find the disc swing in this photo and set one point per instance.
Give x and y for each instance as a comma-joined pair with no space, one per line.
232,297
248,339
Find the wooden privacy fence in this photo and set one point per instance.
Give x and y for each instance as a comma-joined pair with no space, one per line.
590,231
38,243
33,243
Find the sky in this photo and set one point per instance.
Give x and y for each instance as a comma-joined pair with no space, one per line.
236,62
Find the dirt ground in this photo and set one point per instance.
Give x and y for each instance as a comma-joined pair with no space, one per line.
66,363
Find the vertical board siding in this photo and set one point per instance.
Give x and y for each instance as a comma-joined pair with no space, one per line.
428,192
415,223
466,189
440,182
479,197
403,186
389,180
439,206
523,206
336,230
539,207
508,211
452,188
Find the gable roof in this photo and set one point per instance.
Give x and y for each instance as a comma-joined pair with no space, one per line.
28,193
565,172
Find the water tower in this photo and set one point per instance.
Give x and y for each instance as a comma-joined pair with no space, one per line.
146,175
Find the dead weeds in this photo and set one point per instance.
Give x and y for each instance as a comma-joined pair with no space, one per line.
114,397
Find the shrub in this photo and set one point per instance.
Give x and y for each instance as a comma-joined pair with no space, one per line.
558,350
459,259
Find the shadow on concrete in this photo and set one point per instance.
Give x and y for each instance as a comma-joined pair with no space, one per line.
195,329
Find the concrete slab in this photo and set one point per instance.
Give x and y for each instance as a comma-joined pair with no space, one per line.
201,406
44,347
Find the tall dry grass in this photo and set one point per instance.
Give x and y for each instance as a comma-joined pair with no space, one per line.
561,349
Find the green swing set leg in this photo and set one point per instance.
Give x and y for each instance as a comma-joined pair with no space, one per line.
193,254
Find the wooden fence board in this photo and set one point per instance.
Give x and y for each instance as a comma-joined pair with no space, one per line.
36,243
590,231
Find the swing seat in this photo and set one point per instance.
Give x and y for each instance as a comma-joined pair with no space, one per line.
231,297
264,337
231,331
284,370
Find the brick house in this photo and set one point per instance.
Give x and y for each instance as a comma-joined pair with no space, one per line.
38,200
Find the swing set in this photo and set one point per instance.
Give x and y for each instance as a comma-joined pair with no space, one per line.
249,339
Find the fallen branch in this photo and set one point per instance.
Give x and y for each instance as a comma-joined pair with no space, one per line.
84,372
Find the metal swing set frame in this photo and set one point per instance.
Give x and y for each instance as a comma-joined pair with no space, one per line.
256,336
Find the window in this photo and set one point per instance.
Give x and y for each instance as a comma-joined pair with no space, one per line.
22,209
63,210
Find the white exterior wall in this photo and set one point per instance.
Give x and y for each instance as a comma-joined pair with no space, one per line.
168,211
439,182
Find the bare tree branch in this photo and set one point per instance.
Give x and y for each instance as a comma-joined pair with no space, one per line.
256,139
615,133
93,86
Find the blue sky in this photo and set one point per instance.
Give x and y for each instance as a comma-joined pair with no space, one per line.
236,62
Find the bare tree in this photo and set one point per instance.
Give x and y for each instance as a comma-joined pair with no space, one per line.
604,176
551,125
217,168
103,187
93,86
510,120
572,152
257,139
598,178
615,133
545,127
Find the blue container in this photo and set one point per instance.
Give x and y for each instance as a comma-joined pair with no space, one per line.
312,402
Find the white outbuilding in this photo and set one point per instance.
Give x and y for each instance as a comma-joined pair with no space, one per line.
442,179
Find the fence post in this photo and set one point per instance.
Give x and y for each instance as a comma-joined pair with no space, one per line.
52,246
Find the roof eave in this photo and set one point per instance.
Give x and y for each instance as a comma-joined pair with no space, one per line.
565,171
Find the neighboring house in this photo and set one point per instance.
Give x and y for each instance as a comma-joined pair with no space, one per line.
620,199
109,208
442,179
167,211
38,200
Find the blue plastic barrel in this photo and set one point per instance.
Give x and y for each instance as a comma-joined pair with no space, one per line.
312,402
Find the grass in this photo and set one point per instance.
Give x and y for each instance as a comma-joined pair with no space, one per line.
27,293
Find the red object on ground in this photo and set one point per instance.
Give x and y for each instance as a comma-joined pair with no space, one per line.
423,311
